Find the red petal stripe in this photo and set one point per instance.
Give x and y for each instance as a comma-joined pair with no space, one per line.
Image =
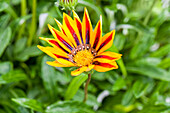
79,28
106,41
72,31
58,56
63,41
57,44
87,29
107,65
106,57
97,36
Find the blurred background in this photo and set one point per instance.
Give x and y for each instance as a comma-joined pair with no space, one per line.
140,85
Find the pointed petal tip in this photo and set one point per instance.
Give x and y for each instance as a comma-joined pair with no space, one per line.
41,38
64,15
85,9
56,20
40,47
49,26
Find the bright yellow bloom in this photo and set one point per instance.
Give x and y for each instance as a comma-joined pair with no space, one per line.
77,44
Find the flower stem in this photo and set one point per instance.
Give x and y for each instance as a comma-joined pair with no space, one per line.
86,88
69,12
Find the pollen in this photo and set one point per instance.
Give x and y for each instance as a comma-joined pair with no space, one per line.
83,58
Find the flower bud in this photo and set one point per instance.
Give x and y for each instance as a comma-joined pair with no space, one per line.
68,4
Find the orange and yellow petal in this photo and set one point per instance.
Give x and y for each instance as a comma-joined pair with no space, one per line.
106,42
65,61
86,28
78,24
71,30
107,57
81,70
53,52
55,44
95,41
60,56
103,67
57,64
61,39
60,26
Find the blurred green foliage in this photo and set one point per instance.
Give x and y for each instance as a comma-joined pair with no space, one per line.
140,85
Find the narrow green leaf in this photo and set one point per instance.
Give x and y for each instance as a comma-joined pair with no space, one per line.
155,109
150,71
28,52
120,61
119,84
91,101
20,45
5,67
4,6
68,107
4,20
49,75
144,41
13,76
119,41
29,103
5,36
162,51
165,63
128,97
74,86
141,86
146,61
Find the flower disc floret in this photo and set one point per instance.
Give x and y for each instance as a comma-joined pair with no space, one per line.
83,58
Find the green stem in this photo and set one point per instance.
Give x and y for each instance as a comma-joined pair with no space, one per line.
86,88
69,12
23,13
33,23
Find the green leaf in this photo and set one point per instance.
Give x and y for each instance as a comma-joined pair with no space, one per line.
13,76
146,61
162,51
143,44
29,103
49,75
68,107
4,20
74,86
119,84
119,41
120,61
128,98
28,52
141,86
150,71
134,25
20,45
155,109
91,101
5,36
3,6
165,63
5,67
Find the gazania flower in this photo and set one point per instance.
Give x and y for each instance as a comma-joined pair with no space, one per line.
77,44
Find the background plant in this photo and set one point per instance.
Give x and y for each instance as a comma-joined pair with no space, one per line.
140,85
